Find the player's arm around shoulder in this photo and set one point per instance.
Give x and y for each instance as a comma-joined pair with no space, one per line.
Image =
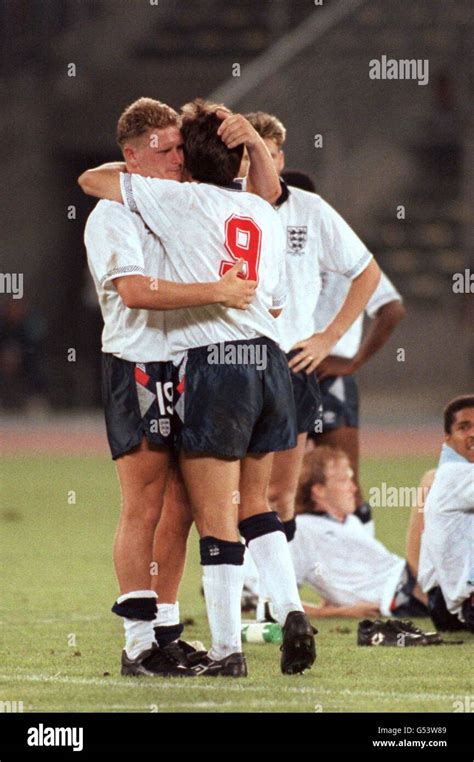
103,181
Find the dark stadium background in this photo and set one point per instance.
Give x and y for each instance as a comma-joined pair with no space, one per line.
385,144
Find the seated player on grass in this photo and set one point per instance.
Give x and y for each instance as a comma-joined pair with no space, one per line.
355,574
447,544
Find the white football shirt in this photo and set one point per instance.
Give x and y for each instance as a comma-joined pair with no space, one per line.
317,238
343,563
118,243
447,542
205,229
334,290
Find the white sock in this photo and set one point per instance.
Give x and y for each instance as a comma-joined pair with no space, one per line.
277,575
139,635
223,589
251,579
168,614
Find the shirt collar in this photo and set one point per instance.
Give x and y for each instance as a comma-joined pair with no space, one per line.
448,455
234,185
285,193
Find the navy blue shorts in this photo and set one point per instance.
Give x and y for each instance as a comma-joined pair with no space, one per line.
340,399
307,398
138,401
236,398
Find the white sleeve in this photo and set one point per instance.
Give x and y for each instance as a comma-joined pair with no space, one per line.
453,487
342,251
280,294
161,203
113,244
383,294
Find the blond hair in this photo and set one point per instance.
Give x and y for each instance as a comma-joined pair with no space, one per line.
314,471
141,115
268,126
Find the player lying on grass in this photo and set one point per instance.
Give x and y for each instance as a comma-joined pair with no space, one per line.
235,413
447,544
337,383
355,574
126,262
317,238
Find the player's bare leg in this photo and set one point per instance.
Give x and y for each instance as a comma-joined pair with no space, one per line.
142,475
266,542
281,496
171,539
415,528
284,479
169,558
213,488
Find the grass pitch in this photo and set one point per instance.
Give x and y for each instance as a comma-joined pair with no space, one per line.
60,646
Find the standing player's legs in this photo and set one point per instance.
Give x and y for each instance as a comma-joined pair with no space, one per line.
265,536
142,474
284,483
169,557
213,487
267,543
286,470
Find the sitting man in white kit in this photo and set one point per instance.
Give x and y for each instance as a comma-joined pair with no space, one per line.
355,574
447,544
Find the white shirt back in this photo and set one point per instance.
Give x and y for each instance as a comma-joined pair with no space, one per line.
205,229
334,290
447,542
118,243
317,238
343,562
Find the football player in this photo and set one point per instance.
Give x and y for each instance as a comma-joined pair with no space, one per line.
317,239
236,398
126,262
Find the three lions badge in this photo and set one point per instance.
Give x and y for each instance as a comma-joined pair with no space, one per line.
296,238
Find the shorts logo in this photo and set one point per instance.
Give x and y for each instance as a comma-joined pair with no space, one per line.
329,416
214,550
296,238
164,427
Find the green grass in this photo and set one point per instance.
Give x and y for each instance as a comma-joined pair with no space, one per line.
58,586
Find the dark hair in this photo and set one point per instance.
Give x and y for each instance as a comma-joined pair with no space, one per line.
458,403
299,180
207,158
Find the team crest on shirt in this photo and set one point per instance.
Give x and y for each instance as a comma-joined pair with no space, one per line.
296,238
164,427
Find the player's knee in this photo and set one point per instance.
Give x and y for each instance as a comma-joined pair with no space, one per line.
282,501
144,508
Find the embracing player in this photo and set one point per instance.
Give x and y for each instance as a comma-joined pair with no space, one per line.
236,413
126,262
